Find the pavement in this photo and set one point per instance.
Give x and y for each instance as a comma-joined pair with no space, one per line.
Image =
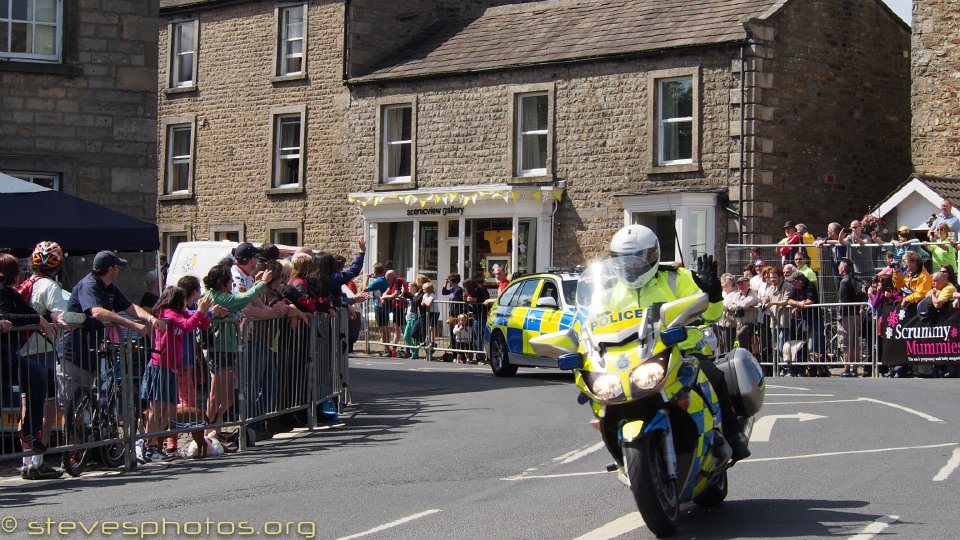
434,450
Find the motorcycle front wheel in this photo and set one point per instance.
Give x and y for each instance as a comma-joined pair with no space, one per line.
655,493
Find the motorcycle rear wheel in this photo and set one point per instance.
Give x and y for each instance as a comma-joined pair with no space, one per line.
654,492
713,495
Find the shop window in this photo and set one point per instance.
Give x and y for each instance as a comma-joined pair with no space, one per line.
428,256
526,256
394,243
31,30
491,243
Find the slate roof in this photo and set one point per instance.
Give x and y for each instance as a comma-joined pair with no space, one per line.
570,30
948,188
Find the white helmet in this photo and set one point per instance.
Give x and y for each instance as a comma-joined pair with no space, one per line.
635,255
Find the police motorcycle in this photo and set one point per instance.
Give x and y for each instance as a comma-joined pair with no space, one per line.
654,407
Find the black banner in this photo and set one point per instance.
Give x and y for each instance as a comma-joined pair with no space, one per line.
909,340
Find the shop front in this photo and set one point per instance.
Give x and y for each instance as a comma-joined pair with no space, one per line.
467,230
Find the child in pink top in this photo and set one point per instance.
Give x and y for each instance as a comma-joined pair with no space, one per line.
159,384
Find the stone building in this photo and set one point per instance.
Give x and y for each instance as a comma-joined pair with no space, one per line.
78,107
936,88
525,133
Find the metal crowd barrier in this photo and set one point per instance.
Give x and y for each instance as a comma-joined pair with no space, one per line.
263,369
435,334
867,259
811,340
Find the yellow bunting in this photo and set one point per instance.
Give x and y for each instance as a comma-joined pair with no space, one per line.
446,199
537,195
377,200
423,202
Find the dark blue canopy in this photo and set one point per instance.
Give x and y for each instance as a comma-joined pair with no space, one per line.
30,216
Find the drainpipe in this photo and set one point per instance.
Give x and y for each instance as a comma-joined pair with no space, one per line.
743,135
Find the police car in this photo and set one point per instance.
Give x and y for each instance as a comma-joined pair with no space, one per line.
528,307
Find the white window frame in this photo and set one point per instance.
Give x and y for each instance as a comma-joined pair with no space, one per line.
686,207
281,154
386,144
55,56
656,125
285,227
34,176
521,134
171,161
662,124
284,41
178,55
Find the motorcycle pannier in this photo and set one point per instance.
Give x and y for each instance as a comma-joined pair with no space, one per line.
744,378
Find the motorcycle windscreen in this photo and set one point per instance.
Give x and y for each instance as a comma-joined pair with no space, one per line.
607,307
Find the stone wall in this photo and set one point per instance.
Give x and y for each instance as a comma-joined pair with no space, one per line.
936,88
832,113
92,118
601,140
233,104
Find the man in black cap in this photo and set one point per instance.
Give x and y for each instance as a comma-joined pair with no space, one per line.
97,296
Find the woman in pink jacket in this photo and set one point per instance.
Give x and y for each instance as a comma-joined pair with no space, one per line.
159,385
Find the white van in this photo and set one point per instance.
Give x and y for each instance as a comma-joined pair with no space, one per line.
196,258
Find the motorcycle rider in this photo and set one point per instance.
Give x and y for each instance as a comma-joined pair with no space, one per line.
643,282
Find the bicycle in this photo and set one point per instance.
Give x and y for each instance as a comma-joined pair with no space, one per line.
96,415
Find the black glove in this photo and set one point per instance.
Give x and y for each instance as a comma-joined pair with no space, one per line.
706,278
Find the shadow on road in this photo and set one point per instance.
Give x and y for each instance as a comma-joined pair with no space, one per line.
775,518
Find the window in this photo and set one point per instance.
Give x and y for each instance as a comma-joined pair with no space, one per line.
397,143
179,159
45,179
171,240
226,236
675,121
288,150
292,40
509,296
525,298
183,54
685,223
31,30
532,129
286,237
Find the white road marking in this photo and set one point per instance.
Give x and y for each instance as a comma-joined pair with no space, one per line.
392,524
575,455
545,476
875,528
925,416
811,402
615,528
787,387
799,395
764,425
847,452
951,466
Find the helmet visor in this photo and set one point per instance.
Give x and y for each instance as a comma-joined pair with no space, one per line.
635,268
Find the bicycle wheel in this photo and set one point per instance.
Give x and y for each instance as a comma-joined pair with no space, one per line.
111,428
79,417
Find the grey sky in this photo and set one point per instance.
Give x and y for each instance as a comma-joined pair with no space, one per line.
902,8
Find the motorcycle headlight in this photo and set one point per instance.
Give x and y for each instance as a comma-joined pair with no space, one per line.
647,376
606,386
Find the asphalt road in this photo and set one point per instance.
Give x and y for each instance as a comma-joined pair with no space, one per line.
436,450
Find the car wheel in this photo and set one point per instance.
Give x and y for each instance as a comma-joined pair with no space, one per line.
499,357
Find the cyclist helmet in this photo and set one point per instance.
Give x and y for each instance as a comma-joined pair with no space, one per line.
635,255
47,255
